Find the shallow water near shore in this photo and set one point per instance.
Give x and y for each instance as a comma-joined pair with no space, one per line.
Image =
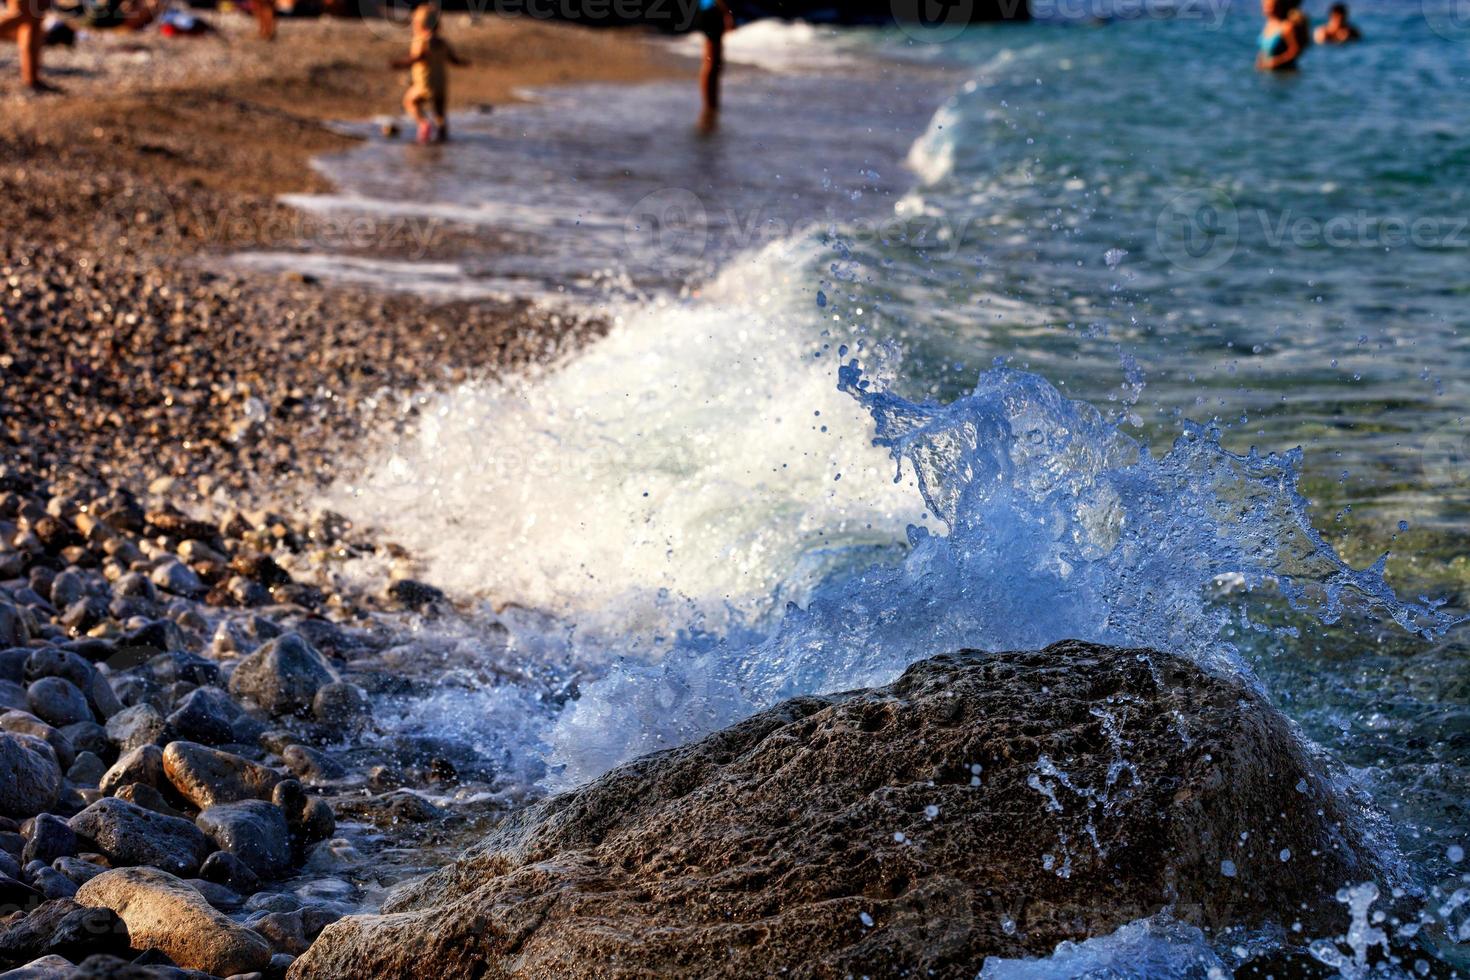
690,519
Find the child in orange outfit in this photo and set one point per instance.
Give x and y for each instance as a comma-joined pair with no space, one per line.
428,62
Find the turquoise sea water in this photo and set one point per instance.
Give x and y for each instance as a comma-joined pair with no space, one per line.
1117,211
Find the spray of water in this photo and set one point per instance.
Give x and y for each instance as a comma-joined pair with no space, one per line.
1053,524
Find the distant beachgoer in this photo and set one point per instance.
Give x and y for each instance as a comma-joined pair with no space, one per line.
713,20
265,17
428,61
1283,39
25,21
1338,29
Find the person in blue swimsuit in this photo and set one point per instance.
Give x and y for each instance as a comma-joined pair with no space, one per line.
712,20
1283,39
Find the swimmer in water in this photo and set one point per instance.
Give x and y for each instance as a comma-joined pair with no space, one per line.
1282,39
1338,29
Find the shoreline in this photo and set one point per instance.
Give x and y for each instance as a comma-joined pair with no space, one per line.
201,378
150,405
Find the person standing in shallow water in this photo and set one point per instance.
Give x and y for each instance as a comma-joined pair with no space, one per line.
265,18
1284,37
1338,29
428,62
713,19
24,21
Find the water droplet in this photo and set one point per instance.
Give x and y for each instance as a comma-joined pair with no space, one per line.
1455,853
867,919
1285,854
1227,868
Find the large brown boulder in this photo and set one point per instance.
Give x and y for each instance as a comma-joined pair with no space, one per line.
983,804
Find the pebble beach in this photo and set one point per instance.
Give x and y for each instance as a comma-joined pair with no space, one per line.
191,778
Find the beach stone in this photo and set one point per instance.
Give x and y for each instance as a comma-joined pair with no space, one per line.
13,630
30,778
67,587
58,702
180,666
310,818
127,834
253,831
981,805
410,594
340,703
135,585
310,765
285,931
49,838
13,664
77,870
83,614
58,662
217,895
148,798
161,912
50,967
16,894
75,667
51,883
25,723
143,764
208,777
139,725
87,770
85,932
392,809
205,715
224,868
13,696
88,737
176,577
282,676
31,936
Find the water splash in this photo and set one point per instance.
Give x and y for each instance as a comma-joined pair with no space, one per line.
1156,947
1056,524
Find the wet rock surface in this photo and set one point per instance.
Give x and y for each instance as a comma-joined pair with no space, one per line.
980,805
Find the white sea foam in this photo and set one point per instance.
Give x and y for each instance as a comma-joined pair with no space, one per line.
781,46
701,450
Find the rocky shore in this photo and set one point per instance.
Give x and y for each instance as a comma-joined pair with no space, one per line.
983,805
185,721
